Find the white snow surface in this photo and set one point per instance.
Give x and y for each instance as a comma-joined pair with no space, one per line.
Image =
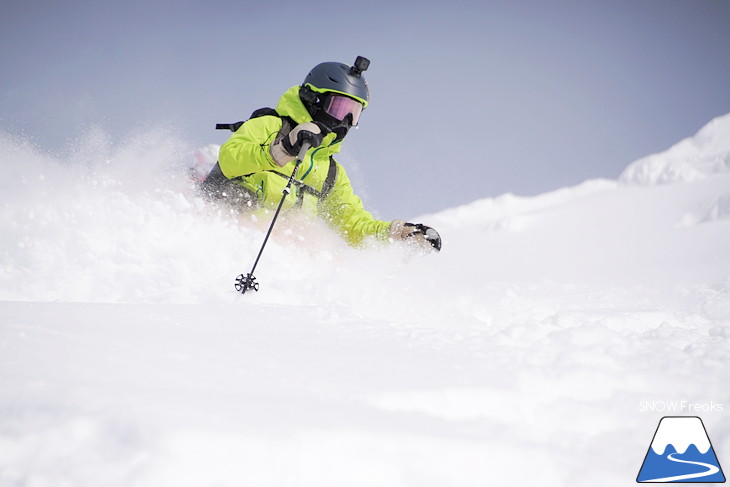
523,354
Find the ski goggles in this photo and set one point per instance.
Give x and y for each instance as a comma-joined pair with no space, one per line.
340,106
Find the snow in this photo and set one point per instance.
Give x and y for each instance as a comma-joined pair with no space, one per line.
680,433
524,353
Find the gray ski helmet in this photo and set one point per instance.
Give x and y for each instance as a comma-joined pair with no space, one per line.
340,78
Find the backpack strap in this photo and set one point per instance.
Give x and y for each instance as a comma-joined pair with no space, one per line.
304,187
329,182
228,126
327,186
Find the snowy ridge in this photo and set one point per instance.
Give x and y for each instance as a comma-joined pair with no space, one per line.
697,157
125,354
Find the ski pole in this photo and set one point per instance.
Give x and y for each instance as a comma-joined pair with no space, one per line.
247,282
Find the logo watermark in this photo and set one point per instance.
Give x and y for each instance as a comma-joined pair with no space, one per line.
680,407
680,451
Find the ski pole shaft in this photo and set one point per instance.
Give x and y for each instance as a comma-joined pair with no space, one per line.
244,283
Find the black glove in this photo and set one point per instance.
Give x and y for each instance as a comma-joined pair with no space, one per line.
286,149
311,132
416,233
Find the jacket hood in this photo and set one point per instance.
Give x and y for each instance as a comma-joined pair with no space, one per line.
290,105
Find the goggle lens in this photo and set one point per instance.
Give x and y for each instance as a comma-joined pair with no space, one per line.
340,106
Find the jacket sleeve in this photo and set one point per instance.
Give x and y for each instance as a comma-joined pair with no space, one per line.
345,212
247,151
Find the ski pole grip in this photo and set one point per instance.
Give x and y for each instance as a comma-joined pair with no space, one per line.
303,151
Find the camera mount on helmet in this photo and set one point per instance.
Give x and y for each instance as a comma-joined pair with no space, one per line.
361,64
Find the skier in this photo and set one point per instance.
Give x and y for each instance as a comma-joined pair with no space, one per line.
254,165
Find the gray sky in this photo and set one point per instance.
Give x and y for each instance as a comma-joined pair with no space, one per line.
469,99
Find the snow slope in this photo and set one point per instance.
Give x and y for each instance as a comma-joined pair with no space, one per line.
525,353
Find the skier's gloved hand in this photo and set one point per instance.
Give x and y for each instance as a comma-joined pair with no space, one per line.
285,150
416,234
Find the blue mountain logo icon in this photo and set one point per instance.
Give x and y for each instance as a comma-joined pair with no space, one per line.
681,452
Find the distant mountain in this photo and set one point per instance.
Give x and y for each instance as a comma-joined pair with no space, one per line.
694,158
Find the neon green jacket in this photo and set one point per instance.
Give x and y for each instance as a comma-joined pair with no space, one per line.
246,159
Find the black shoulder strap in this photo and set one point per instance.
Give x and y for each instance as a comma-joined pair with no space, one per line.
329,182
228,126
